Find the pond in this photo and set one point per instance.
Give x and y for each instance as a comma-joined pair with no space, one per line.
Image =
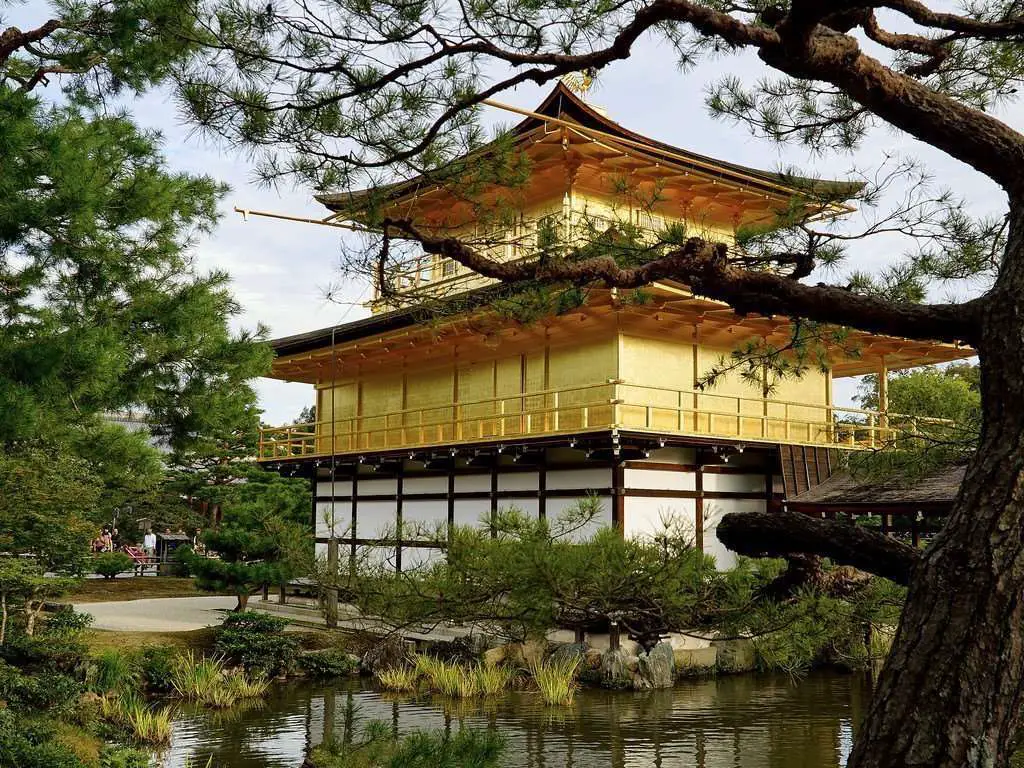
743,721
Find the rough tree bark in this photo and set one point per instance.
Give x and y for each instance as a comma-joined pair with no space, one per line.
959,643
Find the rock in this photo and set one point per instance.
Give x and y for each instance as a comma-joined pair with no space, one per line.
533,652
734,655
494,657
695,661
656,669
592,659
391,652
617,668
569,652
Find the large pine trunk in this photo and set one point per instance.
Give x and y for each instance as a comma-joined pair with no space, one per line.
950,691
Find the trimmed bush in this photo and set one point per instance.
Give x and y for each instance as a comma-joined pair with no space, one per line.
330,662
110,564
67,622
181,562
157,667
258,642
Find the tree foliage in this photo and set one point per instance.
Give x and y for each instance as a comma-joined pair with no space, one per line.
535,575
263,538
917,399
343,95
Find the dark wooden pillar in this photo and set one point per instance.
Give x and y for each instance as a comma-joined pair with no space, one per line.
618,494
698,518
399,489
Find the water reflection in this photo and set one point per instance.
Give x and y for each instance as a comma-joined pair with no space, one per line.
728,722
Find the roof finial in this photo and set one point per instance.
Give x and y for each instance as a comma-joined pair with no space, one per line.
580,82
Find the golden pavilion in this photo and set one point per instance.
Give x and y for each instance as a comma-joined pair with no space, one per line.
426,422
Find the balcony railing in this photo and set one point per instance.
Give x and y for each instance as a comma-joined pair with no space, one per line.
598,407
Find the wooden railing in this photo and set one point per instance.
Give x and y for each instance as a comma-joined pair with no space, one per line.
613,404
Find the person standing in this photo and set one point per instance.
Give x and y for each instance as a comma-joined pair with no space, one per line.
149,543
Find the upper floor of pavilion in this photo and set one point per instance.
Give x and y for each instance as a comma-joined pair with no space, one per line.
567,176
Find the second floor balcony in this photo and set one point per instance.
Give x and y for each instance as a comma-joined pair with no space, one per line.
612,405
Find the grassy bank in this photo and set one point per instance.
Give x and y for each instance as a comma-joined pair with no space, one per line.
132,588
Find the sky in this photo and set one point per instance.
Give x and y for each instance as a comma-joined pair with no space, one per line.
281,271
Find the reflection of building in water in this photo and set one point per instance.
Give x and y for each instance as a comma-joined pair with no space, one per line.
425,420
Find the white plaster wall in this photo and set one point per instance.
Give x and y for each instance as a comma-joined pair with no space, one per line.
423,518
563,479
472,512
531,507
437,484
382,486
518,481
472,483
376,519
714,509
414,558
660,479
645,518
734,483
340,512
338,488
555,507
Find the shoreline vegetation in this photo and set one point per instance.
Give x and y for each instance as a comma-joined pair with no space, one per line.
96,698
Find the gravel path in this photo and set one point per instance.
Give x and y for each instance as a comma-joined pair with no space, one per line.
167,614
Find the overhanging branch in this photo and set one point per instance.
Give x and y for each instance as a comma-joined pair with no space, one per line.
762,534
706,268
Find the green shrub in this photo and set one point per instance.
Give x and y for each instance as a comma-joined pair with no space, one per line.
330,662
67,622
124,757
258,642
181,560
110,564
45,691
64,653
112,670
32,744
156,664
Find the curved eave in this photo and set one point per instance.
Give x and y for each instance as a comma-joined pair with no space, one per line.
563,104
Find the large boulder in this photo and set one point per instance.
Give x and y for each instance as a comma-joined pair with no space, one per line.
618,668
656,669
735,655
569,652
696,661
389,653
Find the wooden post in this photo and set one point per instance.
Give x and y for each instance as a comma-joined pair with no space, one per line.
613,636
883,398
331,617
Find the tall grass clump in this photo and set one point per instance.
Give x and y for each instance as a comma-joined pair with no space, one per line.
441,676
246,686
493,680
556,680
399,679
195,678
111,671
143,723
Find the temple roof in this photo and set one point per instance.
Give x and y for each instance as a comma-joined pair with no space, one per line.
563,105
842,492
